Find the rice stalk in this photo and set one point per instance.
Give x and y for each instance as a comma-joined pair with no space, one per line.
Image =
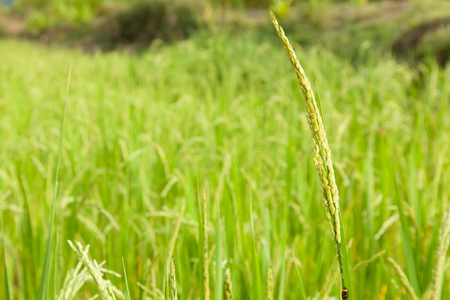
403,279
172,282
206,291
175,233
435,290
385,226
74,281
227,286
365,263
269,290
105,289
8,290
321,155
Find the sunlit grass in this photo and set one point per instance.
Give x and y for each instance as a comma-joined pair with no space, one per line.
144,132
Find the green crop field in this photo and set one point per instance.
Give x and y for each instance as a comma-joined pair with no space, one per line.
218,122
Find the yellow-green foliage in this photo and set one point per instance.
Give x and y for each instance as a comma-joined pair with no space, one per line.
143,132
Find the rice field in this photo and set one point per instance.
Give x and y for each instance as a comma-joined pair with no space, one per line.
200,151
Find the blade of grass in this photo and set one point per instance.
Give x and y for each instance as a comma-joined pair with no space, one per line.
203,233
441,250
256,275
219,279
8,290
345,261
406,239
431,254
319,264
55,268
282,274
166,277
127,290
45,277
302,290
319,102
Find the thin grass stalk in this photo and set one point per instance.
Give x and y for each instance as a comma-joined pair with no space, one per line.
175,233
269,291
154,287
8,290
435,289
206,291
125,279
321,151
172,282
218,259
302,286
45,277
403,279
104,288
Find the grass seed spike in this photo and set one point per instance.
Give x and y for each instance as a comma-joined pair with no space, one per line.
321,151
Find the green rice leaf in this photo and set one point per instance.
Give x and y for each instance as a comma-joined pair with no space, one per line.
406,240
256,274
127,290
218,279
302,290
347,280
282,274
44,285
8,290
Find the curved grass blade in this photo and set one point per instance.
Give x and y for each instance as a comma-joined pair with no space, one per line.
45,277
302,286
403,279
319,265
8,290
345,262
127,290
256,275
282,273
406,239
219,279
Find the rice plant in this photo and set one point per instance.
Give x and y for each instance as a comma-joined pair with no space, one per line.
322,159
105,288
